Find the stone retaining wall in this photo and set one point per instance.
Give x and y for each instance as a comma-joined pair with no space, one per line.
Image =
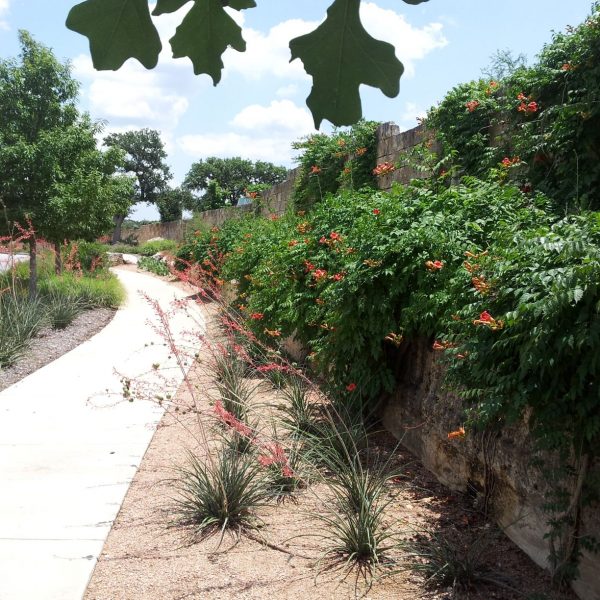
175,230
498,468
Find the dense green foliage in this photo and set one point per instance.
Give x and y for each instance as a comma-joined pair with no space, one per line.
225,180
153,265
343,160
361,274
544,120
60,299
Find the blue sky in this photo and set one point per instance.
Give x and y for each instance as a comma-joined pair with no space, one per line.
258,108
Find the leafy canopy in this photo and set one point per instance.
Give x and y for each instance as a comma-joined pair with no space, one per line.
340,55
225,179
145,158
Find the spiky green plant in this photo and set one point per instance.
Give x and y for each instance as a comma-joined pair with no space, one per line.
220,493
447,561
20,320
300,415
62,310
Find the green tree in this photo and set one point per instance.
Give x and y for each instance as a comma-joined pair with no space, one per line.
233,176
172,203
38,104
145,159
340,50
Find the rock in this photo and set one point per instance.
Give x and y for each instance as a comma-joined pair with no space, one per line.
115,258
130,259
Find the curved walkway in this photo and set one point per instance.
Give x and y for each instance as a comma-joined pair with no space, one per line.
69,446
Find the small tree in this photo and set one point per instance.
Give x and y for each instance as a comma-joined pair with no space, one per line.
37,103
145,159
172,203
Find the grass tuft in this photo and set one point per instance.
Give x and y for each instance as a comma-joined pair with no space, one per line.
221,493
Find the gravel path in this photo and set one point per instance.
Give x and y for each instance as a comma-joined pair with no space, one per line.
50,344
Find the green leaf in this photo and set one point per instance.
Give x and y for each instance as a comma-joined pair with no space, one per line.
117,30
205,33
168,6
340,55
239,4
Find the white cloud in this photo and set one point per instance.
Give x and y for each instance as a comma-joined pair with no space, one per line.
411,113
287,90
4,9
268,54
260,133
279,115
411,43
130,95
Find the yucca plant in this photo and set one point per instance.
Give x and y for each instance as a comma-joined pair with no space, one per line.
20,320
220,493
234,390
62,310
447,561
300,415
353,528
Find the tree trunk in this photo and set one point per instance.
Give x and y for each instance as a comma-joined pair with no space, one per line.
58,264
32,267
118,220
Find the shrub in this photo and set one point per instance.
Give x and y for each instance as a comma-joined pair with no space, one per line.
122,249
350,280
151,248
93,292
344,160
158,267
547,115
87,256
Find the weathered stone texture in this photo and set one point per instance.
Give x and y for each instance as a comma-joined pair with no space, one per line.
501,469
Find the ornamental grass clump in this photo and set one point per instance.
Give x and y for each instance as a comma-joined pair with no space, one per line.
61,310
447,561
353,529
20,320
220,493
300,415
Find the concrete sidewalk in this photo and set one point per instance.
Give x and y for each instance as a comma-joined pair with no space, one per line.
69,447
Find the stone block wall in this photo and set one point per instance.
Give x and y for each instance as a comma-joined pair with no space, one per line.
501,469
175,230
392,145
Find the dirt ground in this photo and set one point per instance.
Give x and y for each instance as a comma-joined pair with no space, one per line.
147,557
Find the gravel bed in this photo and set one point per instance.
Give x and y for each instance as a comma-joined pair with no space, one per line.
50,344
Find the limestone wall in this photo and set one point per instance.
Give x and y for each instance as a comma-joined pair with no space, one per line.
500,469
175,230
392,144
